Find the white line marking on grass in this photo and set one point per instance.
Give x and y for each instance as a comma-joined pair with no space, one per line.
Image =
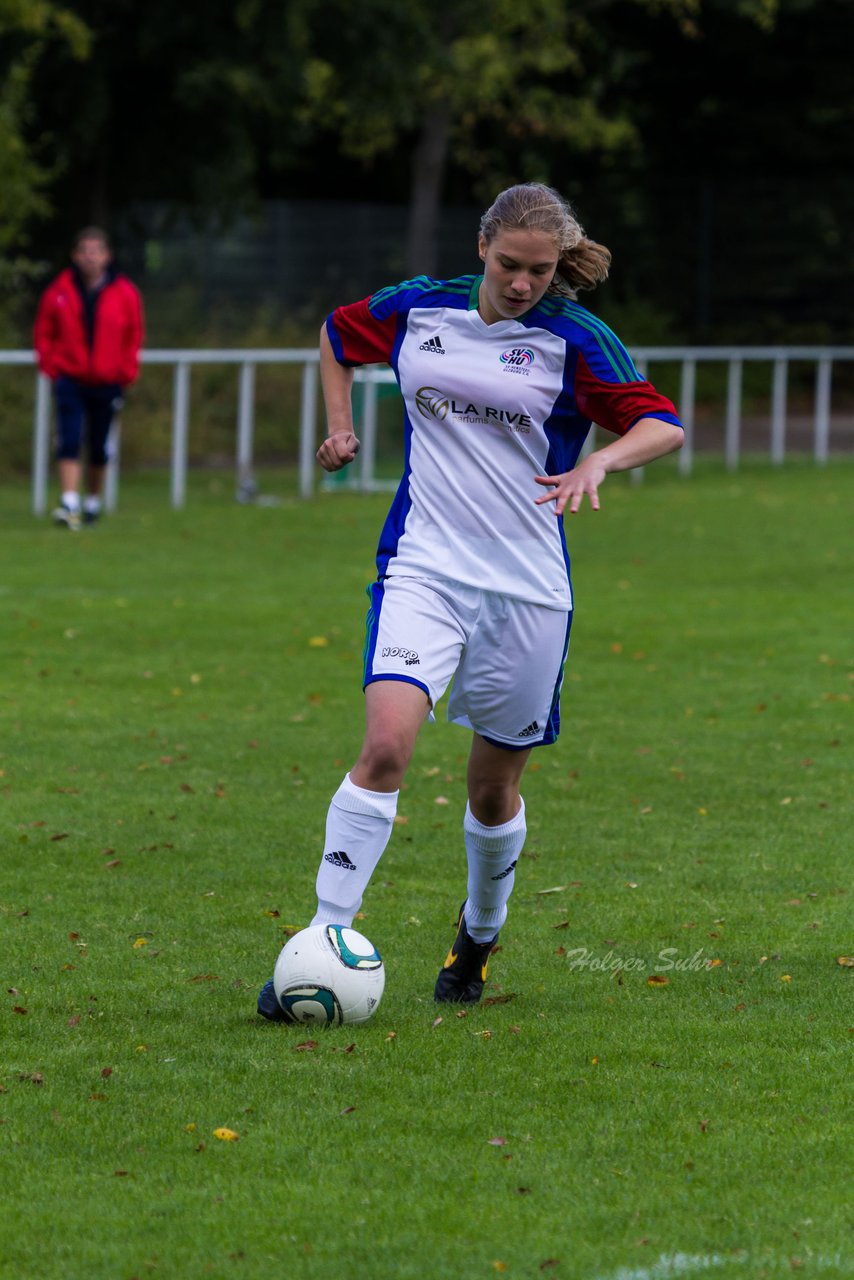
669,1265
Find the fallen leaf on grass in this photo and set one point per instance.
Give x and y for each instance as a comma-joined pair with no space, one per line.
437,1021
502,999
306,1047
346,1111
847,962
18,1008
140,942
558,888
392,1035
497,1142
106,1072
60,835
205,977
226,1135
657,980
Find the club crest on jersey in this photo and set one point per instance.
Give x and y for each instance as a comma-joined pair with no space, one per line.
517,360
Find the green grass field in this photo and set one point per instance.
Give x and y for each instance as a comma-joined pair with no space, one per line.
180,699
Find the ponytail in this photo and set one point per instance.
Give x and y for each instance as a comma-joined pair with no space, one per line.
582,267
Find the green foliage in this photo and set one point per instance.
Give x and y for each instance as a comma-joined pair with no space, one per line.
173,733
27,31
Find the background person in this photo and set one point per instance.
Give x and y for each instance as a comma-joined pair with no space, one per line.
501,376
87,336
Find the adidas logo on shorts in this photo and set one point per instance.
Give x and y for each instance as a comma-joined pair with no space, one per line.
340,859
433,344
532,728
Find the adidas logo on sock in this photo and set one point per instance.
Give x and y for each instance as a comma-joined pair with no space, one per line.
340,859
532,728
433,344
502,875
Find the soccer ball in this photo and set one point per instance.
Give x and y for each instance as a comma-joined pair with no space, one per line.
327,975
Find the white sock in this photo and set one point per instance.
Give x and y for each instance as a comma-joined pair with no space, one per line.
358,826
92,504
492,854
71,500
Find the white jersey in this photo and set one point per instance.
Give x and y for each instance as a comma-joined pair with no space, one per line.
488,408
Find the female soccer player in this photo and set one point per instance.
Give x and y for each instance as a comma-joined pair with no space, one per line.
502,375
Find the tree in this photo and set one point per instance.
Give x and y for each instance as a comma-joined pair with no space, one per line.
486,82
27,32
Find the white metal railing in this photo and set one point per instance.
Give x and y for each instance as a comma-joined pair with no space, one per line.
247,361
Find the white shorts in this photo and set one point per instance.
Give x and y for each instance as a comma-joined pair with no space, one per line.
505,656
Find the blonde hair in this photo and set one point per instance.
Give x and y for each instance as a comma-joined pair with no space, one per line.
532,206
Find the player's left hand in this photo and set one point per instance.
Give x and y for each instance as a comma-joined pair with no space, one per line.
571,487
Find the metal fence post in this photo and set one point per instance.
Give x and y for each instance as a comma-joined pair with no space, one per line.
778,410
308,428
41,444
368,452
822,409
245,431
180,421
733,414
111,479
686,413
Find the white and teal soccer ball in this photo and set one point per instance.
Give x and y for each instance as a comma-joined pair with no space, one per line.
327,975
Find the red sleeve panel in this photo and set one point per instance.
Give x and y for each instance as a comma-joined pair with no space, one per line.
617,406
358,337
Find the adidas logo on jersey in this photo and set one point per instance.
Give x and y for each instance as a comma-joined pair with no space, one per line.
532,728
340,859
433,344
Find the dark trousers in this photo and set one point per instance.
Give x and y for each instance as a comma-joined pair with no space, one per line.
83,411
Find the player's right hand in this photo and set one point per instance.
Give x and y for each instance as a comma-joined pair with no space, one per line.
337,450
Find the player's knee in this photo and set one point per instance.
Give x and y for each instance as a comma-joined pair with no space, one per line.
493,801
385,756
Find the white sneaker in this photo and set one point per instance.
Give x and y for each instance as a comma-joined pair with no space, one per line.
65,516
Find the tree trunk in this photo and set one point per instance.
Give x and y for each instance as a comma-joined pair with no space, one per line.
428,172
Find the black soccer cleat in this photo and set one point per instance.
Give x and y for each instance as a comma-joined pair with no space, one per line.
463,974
268,1004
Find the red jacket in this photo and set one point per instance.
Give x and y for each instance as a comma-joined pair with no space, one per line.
61,341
